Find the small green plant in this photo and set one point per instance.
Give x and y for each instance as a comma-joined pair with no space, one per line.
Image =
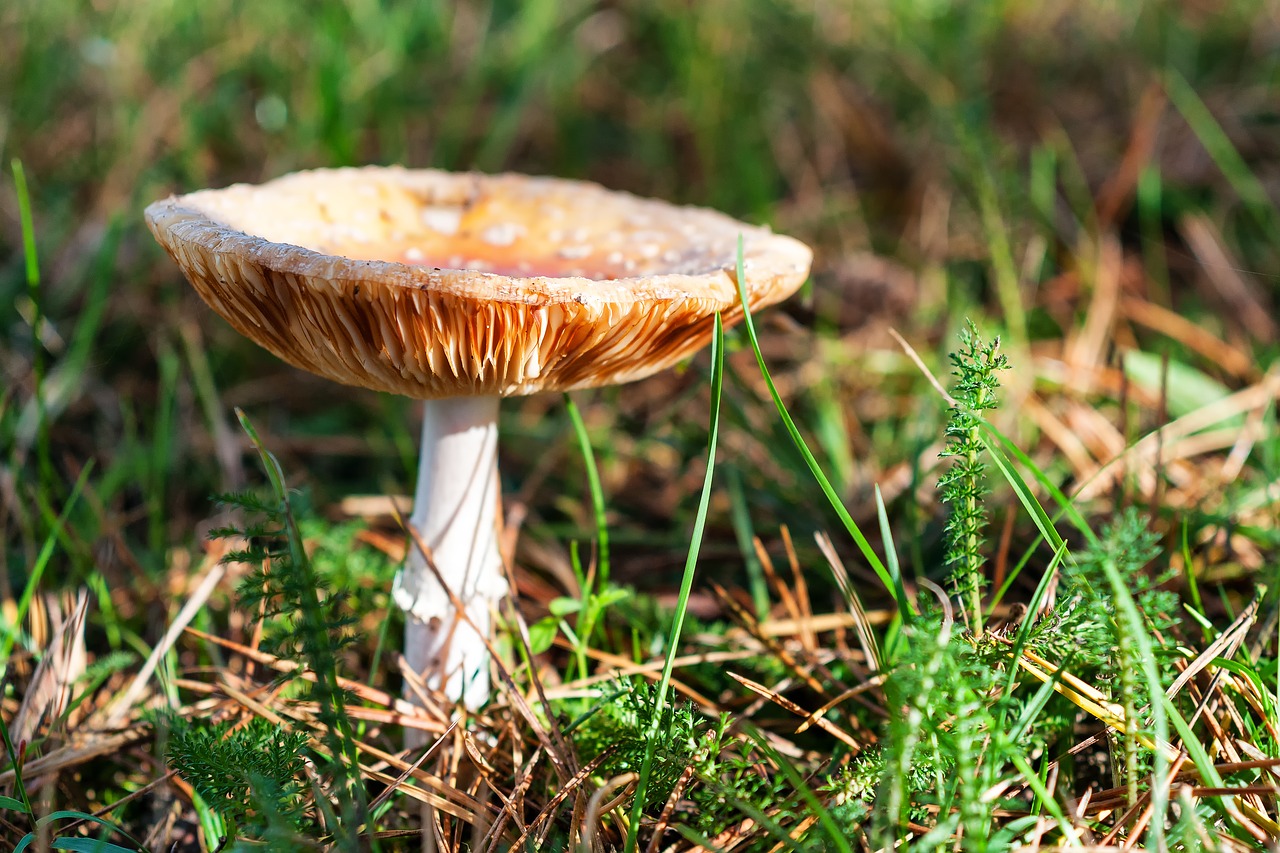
722,775
250,775
957,730
949,743
589,612
19,810
963,486
1085,625
306,625
620,723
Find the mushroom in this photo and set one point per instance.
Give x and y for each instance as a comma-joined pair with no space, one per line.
461,289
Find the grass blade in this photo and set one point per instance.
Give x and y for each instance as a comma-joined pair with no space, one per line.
44,458
597,492
740,516
38,569
686,585
1224,153
850,525
1037,785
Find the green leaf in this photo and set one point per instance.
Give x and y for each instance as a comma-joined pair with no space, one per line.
1224,153
38,569
828,822
1042,793
609,597
13,805
564,606
89,845
1186,389
542,634
1020,488
70,814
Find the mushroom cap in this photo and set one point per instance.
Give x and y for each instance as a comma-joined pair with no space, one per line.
434,284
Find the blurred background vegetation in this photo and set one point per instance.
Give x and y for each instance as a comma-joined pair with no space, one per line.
945,159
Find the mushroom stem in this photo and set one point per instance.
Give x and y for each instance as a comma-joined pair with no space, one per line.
455,512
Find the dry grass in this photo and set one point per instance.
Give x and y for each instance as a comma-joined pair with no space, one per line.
1095,181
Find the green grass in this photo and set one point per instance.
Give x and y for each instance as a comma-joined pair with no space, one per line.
1073,178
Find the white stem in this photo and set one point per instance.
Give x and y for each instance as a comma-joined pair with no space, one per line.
455,511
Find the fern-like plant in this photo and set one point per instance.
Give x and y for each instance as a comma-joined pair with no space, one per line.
976,371
721,774
948,744
251,776
306,625
1085,624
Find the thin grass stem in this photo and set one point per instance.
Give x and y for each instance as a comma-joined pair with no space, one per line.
686,587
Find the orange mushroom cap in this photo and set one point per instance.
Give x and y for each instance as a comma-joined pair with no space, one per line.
433,284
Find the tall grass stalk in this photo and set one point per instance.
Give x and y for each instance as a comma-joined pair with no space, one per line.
597,493
44,458
892,584
686,587
38,568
